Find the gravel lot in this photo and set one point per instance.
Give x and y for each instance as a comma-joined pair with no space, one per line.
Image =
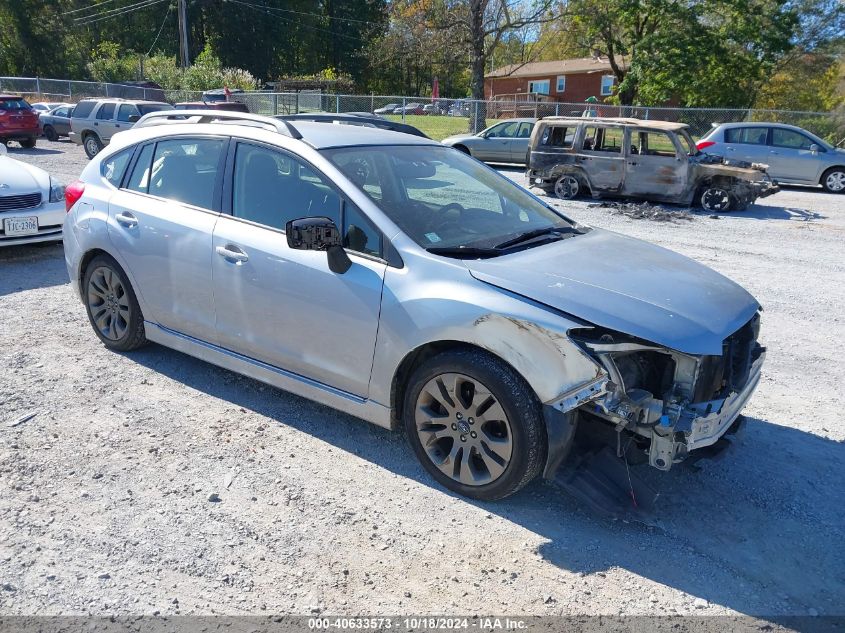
104,494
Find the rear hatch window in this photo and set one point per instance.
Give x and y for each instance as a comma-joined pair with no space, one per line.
14,104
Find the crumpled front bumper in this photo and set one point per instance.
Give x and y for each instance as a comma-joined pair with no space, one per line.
766,188
701,424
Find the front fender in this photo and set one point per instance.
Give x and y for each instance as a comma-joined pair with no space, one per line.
417,311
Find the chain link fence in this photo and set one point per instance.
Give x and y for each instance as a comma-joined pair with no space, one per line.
438,118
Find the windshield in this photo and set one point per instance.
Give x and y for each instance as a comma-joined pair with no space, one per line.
441,198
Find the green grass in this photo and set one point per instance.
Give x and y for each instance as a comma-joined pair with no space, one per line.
437,127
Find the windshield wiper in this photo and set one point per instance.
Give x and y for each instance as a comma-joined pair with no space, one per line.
530,235
464,251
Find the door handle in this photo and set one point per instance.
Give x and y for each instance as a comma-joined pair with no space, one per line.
771,151
226,252
126,219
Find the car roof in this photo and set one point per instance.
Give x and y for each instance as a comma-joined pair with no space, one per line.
657,125
734,124
518,119
317,135
6,96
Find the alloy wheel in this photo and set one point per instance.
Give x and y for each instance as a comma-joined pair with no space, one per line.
463,429
567,187
108,303
715,199
835,181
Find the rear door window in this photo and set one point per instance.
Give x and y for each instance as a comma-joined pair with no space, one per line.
125,111
604,139
106,112
140,179
747,135
185,170
525,130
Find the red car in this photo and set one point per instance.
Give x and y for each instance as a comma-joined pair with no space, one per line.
231,106
18,121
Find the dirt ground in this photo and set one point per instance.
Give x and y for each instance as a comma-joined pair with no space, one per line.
104,494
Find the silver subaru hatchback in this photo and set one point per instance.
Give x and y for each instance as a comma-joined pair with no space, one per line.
410,285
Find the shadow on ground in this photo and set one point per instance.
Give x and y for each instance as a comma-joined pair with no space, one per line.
29,267
740,532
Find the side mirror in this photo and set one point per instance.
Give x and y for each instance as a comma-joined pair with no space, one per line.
133,118
319,234
814,148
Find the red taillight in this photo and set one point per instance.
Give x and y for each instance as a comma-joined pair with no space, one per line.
704,144
73,192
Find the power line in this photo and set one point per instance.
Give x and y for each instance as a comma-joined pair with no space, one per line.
161,28
124,11
118,10
265,10
92,6
315,15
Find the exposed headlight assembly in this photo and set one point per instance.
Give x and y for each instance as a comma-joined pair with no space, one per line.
57,191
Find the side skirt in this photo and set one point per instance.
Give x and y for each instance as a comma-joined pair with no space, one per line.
349,403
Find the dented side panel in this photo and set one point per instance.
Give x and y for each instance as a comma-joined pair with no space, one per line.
417,311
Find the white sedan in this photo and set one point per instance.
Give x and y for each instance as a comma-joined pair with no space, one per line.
32,204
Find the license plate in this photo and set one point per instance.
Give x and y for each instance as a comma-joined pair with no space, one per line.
20,226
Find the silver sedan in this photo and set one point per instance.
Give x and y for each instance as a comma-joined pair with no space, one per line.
793,154
504,142
407,284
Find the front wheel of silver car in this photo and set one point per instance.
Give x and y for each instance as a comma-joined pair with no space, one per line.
715,198
474,424
112,307
833,180
567,187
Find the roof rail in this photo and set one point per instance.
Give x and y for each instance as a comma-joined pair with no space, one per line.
164,117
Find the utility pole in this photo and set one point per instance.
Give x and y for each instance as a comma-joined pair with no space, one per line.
182,13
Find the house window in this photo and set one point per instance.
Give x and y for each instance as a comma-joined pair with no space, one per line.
561,83
607,82
541,87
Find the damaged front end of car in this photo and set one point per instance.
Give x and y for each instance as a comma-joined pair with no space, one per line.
664,403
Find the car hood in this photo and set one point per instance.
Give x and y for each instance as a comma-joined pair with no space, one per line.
459,138
21,178
629,286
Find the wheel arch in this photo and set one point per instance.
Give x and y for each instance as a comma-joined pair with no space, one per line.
828,170
462,148
417,357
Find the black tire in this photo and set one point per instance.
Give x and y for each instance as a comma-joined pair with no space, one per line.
832,180
716,199
523,412
463,148
50,133
92,144
126,332
28,143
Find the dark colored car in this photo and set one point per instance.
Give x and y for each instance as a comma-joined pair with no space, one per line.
56,122
350,118
18,121
230,106
219,94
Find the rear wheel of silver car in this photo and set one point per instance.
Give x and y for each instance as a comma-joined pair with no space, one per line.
474,424
92,145
833,180
567,187
112,307
50,133
715,198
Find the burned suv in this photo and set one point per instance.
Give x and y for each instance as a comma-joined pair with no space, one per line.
652,160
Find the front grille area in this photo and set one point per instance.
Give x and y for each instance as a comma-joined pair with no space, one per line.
720,375
15,203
